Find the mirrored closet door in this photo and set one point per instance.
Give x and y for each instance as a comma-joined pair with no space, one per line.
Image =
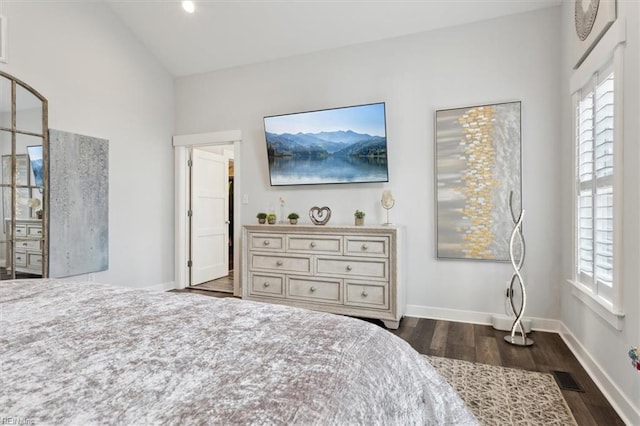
24,187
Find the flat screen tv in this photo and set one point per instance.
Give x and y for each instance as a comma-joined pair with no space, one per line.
338,145
35,158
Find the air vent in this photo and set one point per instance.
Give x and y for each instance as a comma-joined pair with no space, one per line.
566,381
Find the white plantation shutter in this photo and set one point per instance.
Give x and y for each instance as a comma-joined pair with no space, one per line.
594,180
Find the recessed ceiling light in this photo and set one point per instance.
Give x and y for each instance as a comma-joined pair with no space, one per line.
188,6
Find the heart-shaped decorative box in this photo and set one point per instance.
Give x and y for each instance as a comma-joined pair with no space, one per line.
320,215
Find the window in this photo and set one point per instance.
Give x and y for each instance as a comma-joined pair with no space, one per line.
596,87
595,184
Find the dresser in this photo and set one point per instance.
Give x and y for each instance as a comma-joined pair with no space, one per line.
348,270
28,249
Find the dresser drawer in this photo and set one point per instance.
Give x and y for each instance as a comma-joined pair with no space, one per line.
346,267
330,244
21,258
273,262
34,260
34,231
367,246
366,295
21,230
314,289
266,241
28,245
266,284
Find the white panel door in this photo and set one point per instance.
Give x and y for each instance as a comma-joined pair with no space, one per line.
210,220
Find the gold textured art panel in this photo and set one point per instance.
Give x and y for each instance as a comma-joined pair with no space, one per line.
477,166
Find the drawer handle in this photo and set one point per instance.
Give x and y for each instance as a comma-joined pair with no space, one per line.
365,294
266,284
348,268
279,263
313,244
265,242
312,289
365,247
25,244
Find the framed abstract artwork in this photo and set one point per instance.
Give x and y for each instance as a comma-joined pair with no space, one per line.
478,168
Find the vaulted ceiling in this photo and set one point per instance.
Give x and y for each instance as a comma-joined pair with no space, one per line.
228,33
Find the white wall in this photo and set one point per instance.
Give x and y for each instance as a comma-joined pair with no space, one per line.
100,81
494,61
602,348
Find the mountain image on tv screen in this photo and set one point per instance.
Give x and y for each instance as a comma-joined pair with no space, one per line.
35,158
340,145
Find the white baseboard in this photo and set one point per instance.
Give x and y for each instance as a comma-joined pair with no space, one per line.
504,322
170,285
629,413
539,324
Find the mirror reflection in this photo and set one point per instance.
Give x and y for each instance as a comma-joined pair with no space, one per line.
23,181
28,111
5,103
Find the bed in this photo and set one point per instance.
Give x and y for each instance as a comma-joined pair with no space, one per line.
85,353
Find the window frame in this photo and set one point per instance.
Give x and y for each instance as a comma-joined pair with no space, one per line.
594,185
609,50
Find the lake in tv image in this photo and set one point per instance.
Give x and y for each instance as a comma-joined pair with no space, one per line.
340,145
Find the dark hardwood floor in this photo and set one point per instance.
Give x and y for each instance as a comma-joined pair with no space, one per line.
220,285
203,292
481,343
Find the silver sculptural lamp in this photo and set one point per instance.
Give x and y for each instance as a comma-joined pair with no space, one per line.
522,339
387,202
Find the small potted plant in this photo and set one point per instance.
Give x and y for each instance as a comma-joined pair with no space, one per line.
271,218
262,217
359,216
293,218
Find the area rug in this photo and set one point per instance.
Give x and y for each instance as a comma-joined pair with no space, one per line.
505,396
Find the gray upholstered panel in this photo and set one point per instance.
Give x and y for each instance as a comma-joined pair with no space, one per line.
79,200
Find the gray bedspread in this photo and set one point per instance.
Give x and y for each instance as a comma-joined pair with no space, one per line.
85,353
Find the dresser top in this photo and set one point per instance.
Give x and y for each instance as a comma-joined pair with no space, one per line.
322,228
26,220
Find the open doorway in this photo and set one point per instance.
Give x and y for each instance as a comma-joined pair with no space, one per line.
211,218
188,267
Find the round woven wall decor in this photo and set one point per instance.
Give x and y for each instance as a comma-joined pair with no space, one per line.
585,18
